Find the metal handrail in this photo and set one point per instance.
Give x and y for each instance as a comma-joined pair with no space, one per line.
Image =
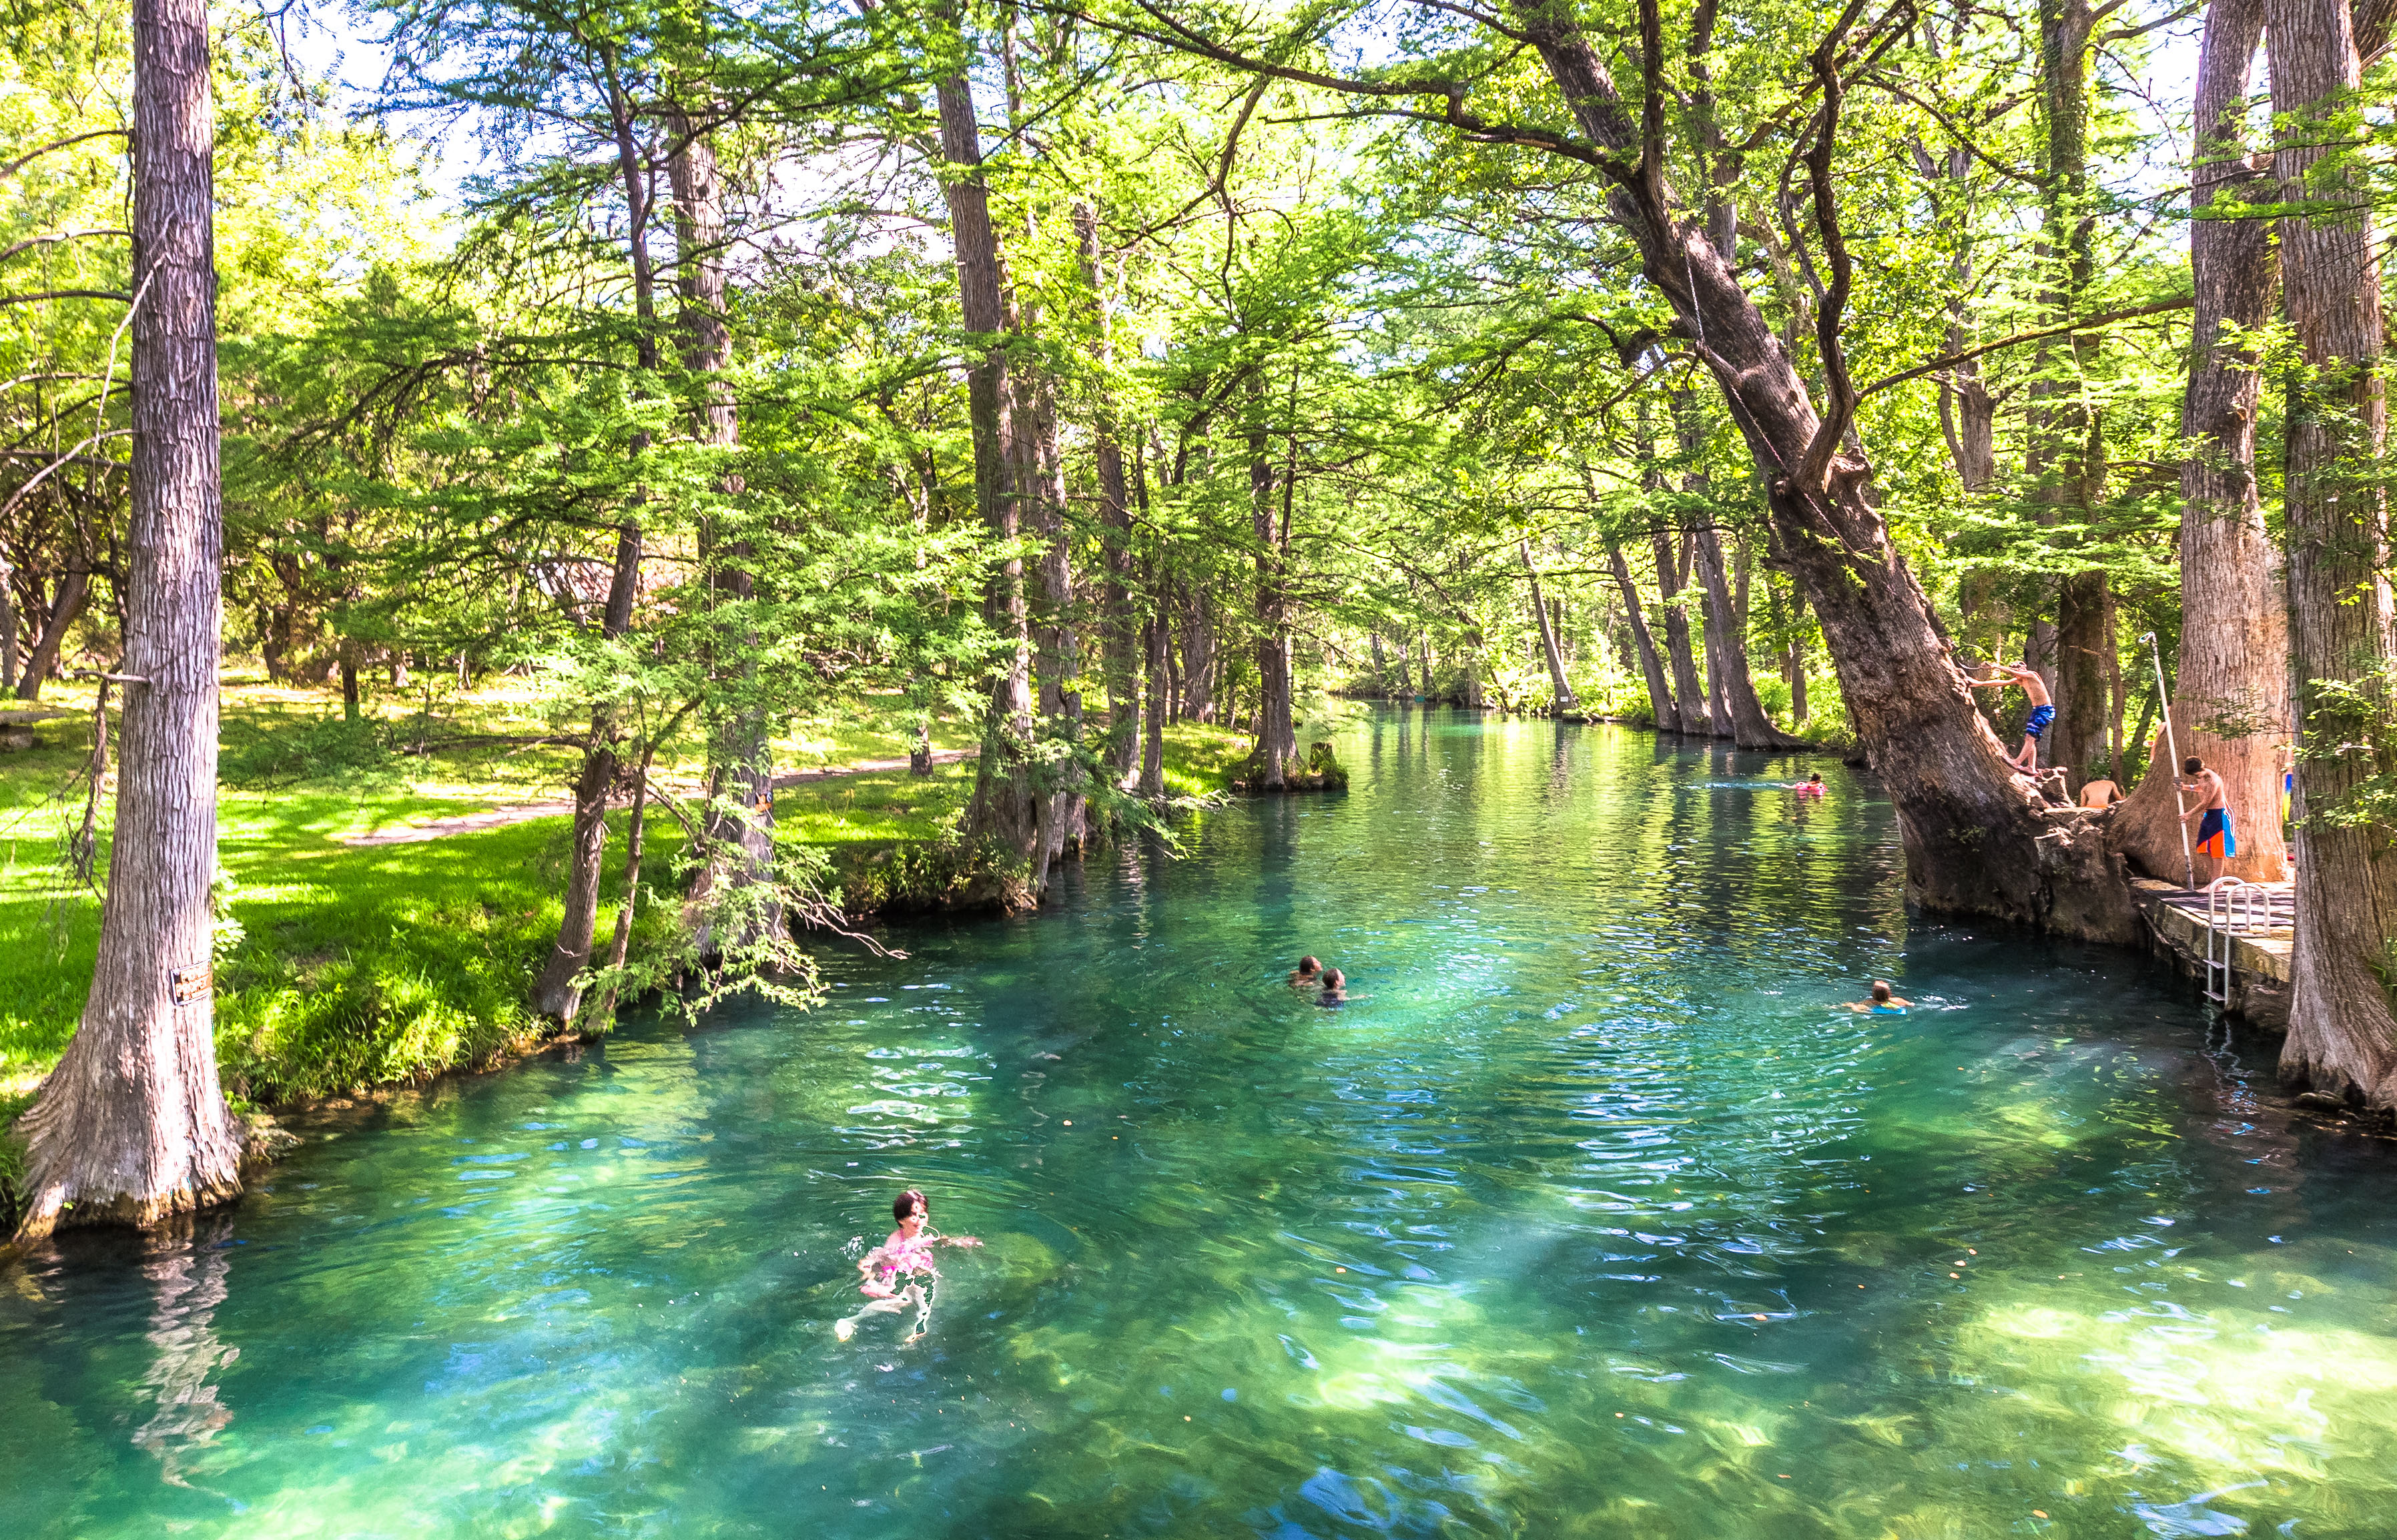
2241,908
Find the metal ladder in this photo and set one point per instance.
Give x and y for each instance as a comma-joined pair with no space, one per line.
2232,908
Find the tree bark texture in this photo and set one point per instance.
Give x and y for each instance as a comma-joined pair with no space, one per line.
1122,636
1561,692
1661,707
1695,716
2342,1033
558,992
1198,649
1005,808
2065,438
1974,842
132,1126
1746,723
2232,682
1277,736
73,593
739,830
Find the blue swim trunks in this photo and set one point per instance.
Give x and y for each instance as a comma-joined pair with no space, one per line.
2214,836
2039,717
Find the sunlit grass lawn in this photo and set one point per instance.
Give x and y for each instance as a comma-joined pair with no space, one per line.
360,966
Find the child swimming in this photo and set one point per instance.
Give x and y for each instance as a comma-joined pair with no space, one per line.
900,1272
1307,974
1882,1002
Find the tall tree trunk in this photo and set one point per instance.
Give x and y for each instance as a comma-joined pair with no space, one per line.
2342,1033
2067,437
1152,747
738,830
559,991
1056,642
131,1126
1005,808
7,628
1560,691
1672,571
1661,706
1747,724
1277,737
1201,656
2232,682
1972,841
1425,640
1124,642
73,593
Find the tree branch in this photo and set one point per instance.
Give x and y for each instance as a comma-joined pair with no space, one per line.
118,295
2160,307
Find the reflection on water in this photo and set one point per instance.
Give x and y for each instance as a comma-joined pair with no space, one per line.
1593,1215
185,1268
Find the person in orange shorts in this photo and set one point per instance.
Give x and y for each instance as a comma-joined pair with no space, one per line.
2217,841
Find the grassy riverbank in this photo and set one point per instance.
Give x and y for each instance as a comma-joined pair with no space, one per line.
359,965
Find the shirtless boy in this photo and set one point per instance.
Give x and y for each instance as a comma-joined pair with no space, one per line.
2042,711
2216,843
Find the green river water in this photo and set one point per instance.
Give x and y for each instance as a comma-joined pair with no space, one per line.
1589,1216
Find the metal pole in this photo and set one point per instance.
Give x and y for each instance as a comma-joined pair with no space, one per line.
2188,858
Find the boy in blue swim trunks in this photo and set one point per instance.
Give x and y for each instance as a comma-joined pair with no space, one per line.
2043,710
2216,843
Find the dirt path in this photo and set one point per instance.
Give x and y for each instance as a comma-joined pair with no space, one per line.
523,812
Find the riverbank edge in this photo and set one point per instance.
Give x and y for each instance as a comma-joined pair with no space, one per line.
895,879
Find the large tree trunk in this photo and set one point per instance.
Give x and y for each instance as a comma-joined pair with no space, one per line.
1277,736
1696,716
73,593
1561,692
1199,655
1974,842
2233,680
1123,639
1152,745
1005,809
559,991
1056,644
1747,724
739,830
1661,707
132,1126
2067,442
2342,1032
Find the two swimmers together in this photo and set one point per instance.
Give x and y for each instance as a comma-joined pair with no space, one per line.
1311,974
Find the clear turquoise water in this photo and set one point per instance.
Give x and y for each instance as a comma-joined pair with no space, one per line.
1590,1218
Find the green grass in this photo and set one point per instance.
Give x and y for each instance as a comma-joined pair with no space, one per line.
366,966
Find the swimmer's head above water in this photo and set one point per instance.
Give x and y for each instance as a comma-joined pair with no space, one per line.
910,1210
1308,971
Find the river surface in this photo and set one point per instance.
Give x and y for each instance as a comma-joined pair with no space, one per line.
1590,1215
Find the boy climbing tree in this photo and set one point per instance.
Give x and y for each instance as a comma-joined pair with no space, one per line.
2042,711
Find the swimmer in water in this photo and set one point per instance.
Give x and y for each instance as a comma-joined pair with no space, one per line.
1882,1002
1307,974
1335,990
1812,786
900,1272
